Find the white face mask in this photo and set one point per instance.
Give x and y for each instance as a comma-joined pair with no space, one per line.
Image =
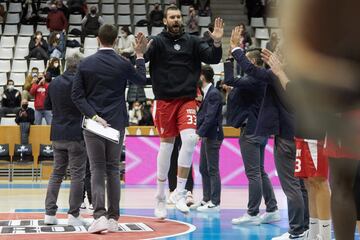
10,87
56,65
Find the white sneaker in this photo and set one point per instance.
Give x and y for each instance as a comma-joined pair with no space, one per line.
113,225
198,204
209,208
160,208
189,199
76,221
83,206
179,199
270,217
50,220
99,225
247,219
169,201
288,236
91,207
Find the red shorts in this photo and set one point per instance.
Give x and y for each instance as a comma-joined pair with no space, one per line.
173,116
310,159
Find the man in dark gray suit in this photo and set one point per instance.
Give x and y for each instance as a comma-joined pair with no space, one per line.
68,145
99,93
209,128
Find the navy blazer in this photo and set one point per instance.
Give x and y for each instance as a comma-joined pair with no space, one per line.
66,121
209,116
100,83
276,116
244,101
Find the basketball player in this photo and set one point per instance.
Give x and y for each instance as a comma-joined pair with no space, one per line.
311,164
175,65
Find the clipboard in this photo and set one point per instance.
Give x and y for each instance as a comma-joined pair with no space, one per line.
94,127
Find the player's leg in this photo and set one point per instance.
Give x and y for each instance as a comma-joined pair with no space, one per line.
357,196
314,220
343,207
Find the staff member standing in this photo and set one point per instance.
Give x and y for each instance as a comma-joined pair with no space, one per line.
209,128
99,93
68,145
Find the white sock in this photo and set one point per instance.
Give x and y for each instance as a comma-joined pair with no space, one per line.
181,182
325,229
161,189
313,228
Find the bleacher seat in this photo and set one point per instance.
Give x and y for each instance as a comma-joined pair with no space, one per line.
71,51
21,53
262,33
5,66
139,2
123,1
12,18
153,1
204,21
139,9
75,19
149,93
92,1
19,66
156,30
218,68
18,78
185,10
137,18
0,30
6,53
109,19
32,104
42,28
272,22
10,30
144,30
8,121
263,43
257,22
90,43
3,80
123,9
123,20
89,51
26,30
37,63
203,30
107,9
22,42
108,1
15,7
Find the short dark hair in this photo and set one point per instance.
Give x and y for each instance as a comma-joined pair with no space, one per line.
256,55
208,73
107,34
72,62
9,80
172,7
126,29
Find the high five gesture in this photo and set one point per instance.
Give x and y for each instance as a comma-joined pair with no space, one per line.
218,32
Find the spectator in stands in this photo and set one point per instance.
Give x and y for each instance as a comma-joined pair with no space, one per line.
273,43
38,47
53,70
28,83
91,23
192,22
135,93
25,117
255,8
61,7
11,100
2,14
206,37
56,45
77,6
156,16
29,12
135,114
147,119
127,43
204,7
39,90
245,40
186,2
56,20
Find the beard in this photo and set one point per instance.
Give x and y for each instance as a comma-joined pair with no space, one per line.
176,29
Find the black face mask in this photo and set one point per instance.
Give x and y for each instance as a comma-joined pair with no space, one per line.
25,106
93,12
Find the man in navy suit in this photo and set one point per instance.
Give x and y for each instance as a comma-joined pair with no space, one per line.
244,103
99,93
68,145
209,128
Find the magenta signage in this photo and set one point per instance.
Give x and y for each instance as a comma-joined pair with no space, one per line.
141,155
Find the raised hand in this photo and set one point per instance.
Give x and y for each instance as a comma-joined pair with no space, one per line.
141,44
265,55
218,32
235,38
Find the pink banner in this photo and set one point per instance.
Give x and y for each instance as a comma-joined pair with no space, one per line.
141,155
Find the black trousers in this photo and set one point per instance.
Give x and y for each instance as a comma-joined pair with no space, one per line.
172,174
87,182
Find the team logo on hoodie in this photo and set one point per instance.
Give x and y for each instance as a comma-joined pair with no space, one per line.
177,47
